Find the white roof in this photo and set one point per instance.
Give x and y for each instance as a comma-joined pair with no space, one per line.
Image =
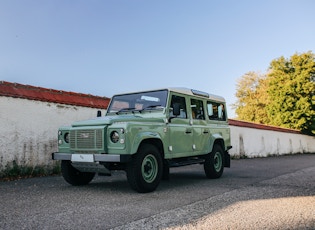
186,91
197,93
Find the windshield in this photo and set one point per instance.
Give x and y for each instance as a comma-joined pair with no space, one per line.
138,102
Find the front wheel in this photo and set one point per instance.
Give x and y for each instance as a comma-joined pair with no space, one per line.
214,163
144,172
74,176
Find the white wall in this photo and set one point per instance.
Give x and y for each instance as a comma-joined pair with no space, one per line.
251,142
29,129
29,133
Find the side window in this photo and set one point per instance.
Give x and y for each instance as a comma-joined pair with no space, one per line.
181,102
197,110
216,111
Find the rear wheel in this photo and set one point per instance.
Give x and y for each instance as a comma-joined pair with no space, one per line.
214,163
74,176
144,172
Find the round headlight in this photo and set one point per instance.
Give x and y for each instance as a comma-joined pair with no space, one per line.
114,136
66,137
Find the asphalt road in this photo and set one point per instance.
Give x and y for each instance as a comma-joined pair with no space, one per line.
262,193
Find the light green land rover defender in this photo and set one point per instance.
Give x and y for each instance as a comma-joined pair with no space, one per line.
146,133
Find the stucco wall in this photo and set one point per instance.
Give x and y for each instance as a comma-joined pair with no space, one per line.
29,129
254,142
29,133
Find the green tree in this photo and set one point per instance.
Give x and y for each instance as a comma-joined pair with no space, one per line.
251,91
291,90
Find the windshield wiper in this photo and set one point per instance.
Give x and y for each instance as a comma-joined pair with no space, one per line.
125,110
149,107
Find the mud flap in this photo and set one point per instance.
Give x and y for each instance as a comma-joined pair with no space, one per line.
227,159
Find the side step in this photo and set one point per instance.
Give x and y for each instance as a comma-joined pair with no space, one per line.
184,162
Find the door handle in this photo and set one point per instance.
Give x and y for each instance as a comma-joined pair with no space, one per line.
188,131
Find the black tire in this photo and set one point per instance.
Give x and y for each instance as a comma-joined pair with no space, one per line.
74,176
144,172
214,163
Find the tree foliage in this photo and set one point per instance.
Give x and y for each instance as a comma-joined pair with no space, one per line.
285,96
292,92
252,98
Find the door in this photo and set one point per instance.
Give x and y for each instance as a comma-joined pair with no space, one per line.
180,130
201,131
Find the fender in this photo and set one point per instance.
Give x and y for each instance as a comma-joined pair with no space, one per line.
143,136
214,137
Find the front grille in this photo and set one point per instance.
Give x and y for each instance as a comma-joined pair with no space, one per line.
89,139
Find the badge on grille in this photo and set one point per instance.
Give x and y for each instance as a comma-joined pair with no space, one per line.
85,135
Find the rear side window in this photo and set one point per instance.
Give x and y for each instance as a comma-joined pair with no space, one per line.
197,110
216,111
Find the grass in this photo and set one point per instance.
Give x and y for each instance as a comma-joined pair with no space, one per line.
14,171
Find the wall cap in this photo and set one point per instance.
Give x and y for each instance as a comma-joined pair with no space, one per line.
261,126
16,90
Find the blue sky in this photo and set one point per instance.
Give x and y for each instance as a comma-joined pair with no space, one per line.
106,47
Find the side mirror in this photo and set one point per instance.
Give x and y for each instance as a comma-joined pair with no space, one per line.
176,109
99,113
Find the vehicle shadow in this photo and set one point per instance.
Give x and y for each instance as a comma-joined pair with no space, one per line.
186,176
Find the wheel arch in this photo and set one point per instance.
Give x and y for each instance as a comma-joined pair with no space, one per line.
153,141
217,139
152,138
219,142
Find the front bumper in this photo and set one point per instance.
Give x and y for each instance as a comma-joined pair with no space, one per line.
82,157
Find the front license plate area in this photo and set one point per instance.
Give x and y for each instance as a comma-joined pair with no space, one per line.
82,158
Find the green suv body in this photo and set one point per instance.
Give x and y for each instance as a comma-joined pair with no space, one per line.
146,133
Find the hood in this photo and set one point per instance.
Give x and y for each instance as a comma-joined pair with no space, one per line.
107,120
